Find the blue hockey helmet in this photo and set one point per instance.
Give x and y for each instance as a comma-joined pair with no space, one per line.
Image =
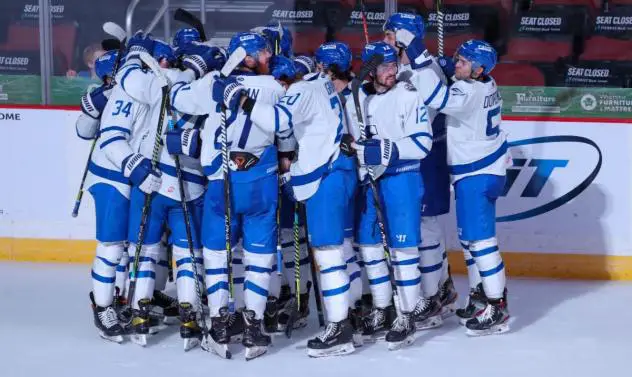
251,41
280,67
162,50
379,48
408,21
480,54
334,53
277,33
104,65
185,36
304,65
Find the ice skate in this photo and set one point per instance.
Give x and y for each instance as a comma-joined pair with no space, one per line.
448,297
168,306
190,331
254,340
377,323
218,338
106,321
336,340
493,320
427,313
402,333
475,302
140,322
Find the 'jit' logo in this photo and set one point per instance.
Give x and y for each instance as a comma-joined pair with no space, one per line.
543,170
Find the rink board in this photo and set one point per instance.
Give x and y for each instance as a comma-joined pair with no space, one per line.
565,213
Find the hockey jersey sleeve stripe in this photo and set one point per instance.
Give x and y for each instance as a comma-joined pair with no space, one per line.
479,164
434,93
189,177
130,68
81,137
445,100
213,167
175,90
109,141
112,175
277,120
115,128
336,291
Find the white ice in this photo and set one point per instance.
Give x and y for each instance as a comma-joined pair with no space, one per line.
558,328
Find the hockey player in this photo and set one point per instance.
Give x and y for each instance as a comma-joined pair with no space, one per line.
398,137
254,194
279,309
334,60
165,206
111,198
312,109
439,295
477,159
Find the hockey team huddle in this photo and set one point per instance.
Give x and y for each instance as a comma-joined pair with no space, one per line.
253,175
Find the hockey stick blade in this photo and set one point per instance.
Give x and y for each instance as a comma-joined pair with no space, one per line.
154,67
233,61
189,19
114,30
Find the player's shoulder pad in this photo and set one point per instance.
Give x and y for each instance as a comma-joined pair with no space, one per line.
462,88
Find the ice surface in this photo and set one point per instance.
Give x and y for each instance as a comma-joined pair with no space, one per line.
559,328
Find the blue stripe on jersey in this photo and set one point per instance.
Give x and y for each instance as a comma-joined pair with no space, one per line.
187,176
103,279
434,93
182,121
405,262
287,113
414,137
216,287
355,275
109,141
132,67
408,283
377,281
480,253
494,270
424,248
115,128
188,274
112,175
255,288
334,269
445,100
432,268
216,271
300,180
178,86
335,291
479,164
262,270
215,165
182,261
276,119
107,262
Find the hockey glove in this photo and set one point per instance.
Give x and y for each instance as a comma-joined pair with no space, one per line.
374,152
232,95
345,145
140,42
202,59
219,85
286,186
447,66
415,48
183,142
93,103
138,169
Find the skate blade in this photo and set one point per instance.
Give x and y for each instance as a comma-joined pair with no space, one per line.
494,330
140,339
448,310
463,321
429,323
235,339
394,346
190,343
157,328
377,337
358,340
254,352
170,320
339,350
111,338
221,350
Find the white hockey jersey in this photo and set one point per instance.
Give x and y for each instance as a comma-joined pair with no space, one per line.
399,115
144,87
122,129
195,99
476,144
312,109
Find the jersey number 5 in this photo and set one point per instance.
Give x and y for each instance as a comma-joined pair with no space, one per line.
493,121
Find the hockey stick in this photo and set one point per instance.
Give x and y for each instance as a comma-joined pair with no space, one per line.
155,156
233,61
279,247
364,22
297,274
189,19
439,29
114,30
355,87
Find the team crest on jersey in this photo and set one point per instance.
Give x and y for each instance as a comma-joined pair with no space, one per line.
410,87
456,92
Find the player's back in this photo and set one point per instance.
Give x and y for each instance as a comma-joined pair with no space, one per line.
475,141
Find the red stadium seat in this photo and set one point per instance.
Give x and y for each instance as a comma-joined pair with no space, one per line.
517,74
536,50
450,42
587,3
604,48
355,39
307,41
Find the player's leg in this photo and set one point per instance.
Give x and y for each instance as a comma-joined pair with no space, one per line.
167,305
382,314
402,195
188,269
325,212
476,218
431,254
150,254
258,200
352,258
216,263
112,209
